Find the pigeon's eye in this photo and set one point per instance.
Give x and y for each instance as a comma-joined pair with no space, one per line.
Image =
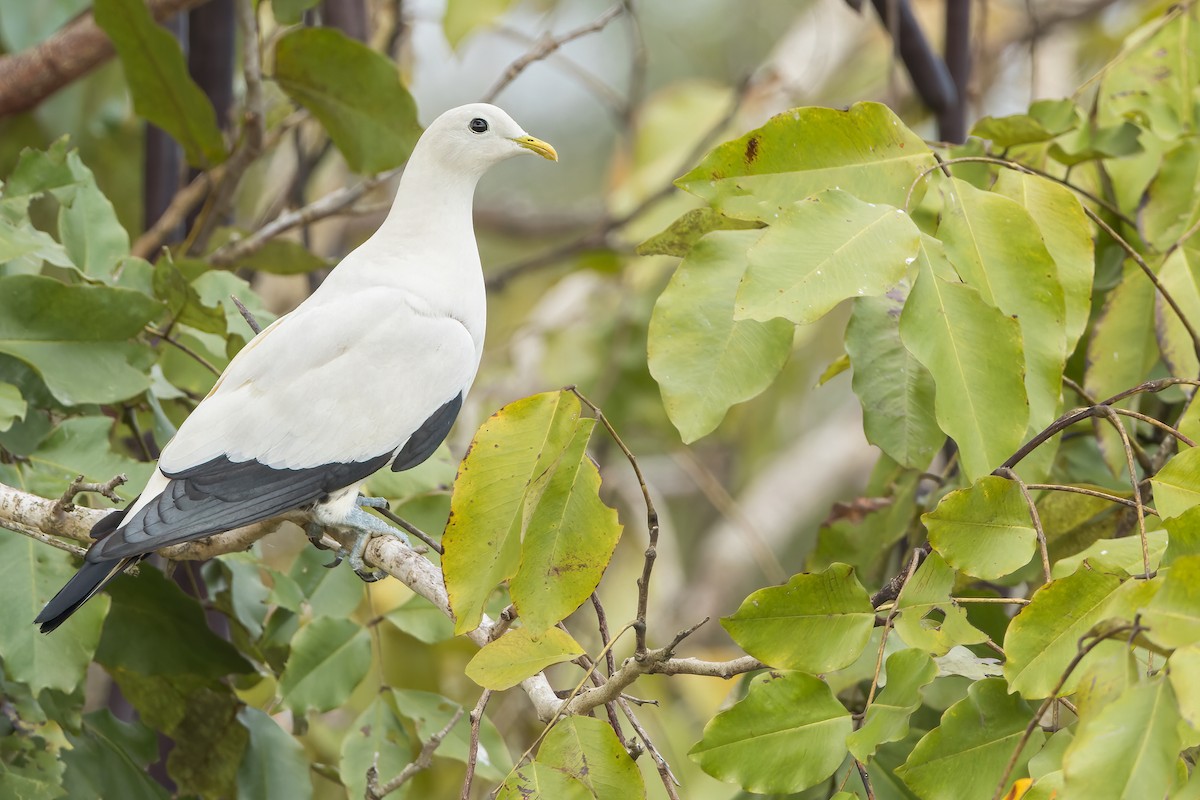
478,125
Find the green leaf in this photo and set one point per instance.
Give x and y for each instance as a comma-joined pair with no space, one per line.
283,257
586,748
30,574
519,654
274,766
291,12
157,73
156,629
39,778
966,754
886,719
509,472
355,92
1173,616
1128,750
329,658
786,735
681,236
421,620
89,227
927,617
1044,637
704,360
184,306
1093,142
895,390
1177,485
328,592
210,743
1046,119
536,781
822,251
960,339
1184,532
983,530
866,151
997,248
108,758
1067,234
1183,670
1180,276
432,712
1171,206
816,622
378,738
569,540
464,16
76,337
12,405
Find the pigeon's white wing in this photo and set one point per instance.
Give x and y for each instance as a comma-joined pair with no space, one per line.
313,388
304,410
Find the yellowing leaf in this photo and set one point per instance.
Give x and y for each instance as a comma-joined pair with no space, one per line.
518,654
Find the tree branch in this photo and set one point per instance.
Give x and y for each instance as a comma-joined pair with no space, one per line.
423,762
30,76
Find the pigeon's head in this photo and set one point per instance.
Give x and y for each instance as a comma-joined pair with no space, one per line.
474,137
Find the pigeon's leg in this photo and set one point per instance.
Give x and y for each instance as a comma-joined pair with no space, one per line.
365,526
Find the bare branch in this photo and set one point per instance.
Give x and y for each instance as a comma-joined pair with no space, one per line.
106,489
246,315
547,45
473,748
423,762
669,780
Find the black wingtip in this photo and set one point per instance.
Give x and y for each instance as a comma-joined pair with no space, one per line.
91,578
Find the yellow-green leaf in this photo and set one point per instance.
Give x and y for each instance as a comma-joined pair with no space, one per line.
519,654
983,530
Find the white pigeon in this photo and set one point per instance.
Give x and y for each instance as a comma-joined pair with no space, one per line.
368,372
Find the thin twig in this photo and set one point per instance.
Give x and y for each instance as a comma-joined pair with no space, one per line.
1157,423
1034,516
917,557
1019,167
330,204
1112,498
246,315
434,544
547,45
423,762
1112,417
107,489
473,748
199,359
669,781
652,527
866,779
1079,656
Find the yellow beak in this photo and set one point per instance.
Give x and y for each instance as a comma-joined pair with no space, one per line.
538,146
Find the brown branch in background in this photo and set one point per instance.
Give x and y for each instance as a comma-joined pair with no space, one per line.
866,779
473,748
253,130
330,204
423,762
601,233
602,624
891,590
1157,423
1034,516
30,76
433,544
547,45
189,197
246,315
917,557
635,90
652,527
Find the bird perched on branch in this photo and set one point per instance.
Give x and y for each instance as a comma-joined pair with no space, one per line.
369,372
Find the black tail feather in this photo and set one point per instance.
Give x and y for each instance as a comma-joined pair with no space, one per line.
91,578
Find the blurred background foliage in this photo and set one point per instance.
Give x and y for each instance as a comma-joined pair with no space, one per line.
630,108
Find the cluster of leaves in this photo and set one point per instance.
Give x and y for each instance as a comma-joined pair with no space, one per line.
1052,250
